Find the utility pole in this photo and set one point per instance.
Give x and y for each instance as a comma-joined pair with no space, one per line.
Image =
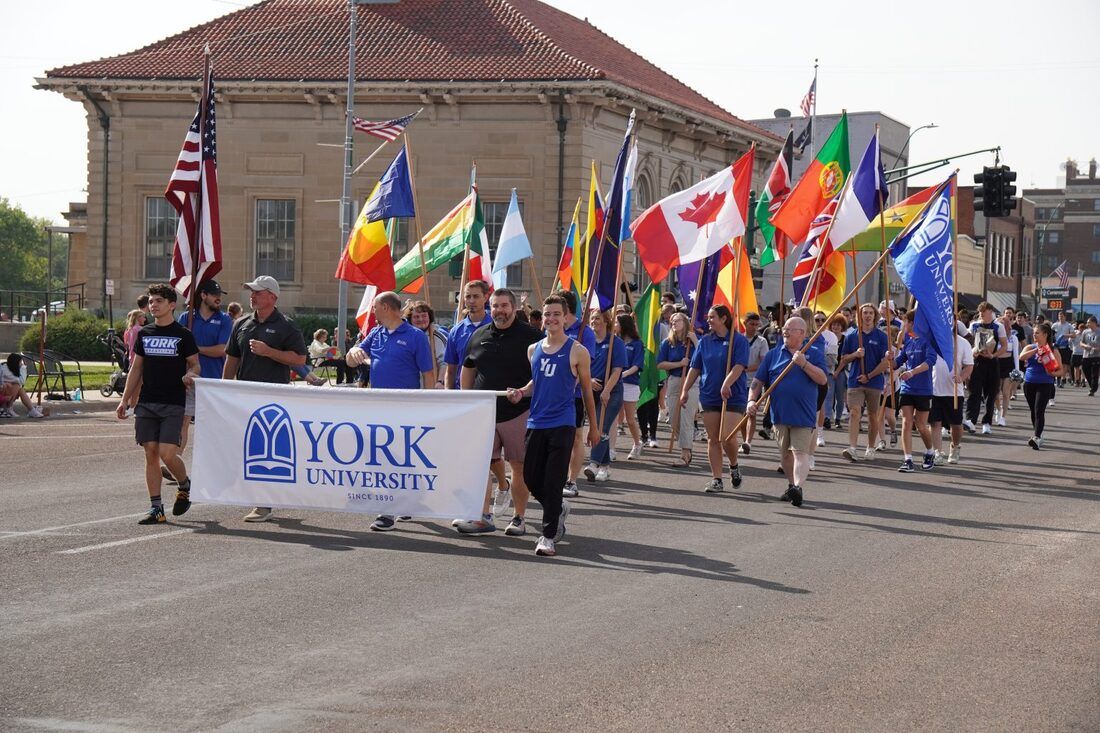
345,197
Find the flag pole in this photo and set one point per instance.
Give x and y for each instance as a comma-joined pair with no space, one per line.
859,326
813,118
815,280
416,220
736,319
535,277
782,282
886,293
196,244
370,157
465,254
675,420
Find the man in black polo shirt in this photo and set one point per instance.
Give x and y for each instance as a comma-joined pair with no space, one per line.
496,358
263,347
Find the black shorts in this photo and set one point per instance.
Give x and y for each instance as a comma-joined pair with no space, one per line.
919,402
1005,365
1067,355
946,412
155,422
738,407
891,400
1075,360
578,404
822,393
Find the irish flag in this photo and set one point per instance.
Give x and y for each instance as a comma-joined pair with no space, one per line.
693,224
819,185
367,259
462,227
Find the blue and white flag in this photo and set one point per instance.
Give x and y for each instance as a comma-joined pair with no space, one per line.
628,186
863,199
514,245
924,258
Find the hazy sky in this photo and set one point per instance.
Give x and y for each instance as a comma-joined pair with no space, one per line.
928,62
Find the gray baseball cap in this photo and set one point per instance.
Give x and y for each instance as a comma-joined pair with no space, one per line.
264,282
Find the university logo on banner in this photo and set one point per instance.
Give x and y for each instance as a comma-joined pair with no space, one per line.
403,452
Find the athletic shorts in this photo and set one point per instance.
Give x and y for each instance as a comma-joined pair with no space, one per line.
1075,360
946,412
578,404
155,422
822,393
795,438
738,407
1005,366
919,402
631,392
1067,355
890,399
509,436
857,397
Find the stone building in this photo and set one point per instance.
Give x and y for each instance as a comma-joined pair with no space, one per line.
529,92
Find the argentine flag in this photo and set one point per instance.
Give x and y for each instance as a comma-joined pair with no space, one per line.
514,245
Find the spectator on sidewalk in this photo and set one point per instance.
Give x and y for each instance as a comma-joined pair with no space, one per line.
13,375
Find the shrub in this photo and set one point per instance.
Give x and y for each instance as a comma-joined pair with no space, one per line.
72,333
307,323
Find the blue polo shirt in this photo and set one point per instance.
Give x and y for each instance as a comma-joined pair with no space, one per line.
635,357
794,399
618,360
709,358
456,344
586,337
875,346
213,331
397,357
915,352
672,352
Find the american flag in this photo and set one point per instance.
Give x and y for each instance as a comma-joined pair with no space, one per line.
193,193
808,100
1062,274
390,130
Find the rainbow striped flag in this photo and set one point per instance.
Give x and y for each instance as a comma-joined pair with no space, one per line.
462,227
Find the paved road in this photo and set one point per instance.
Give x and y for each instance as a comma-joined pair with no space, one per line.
963,599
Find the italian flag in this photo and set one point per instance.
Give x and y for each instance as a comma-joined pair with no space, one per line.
819,185
462,228
775,193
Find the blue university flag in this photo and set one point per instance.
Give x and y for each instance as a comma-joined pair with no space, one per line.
605,270
924,258
514,245
395,198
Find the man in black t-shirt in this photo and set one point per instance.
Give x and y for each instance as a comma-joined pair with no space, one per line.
263,347
166,362
496,359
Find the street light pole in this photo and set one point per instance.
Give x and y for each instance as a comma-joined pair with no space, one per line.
929,126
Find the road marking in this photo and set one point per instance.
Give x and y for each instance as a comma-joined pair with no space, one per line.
69,437
117,543
44,530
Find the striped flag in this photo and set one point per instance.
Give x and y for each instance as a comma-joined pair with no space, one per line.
1062,274
808,100
775,193
389,130
193,193
829,280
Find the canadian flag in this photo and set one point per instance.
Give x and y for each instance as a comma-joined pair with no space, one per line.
693,224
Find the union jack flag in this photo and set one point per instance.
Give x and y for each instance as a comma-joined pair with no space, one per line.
193,193
808,100
389,130
808,258
1062,274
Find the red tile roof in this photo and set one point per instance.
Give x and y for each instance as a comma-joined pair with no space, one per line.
411,40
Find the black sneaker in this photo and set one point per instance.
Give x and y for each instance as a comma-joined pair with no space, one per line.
796,495
765,434
735,476
786,495
906,466
828,424
155,516
929,462
383,524
183,503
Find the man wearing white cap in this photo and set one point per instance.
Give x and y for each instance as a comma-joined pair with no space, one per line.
888,317
263,347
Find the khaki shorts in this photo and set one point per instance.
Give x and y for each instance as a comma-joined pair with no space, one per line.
860,396
793,438
510,436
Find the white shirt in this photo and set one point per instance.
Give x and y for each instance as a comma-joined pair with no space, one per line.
941,373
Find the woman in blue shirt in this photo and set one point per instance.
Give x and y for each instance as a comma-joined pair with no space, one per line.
918,358
627,331
608,389
1043,363
674,357
719,365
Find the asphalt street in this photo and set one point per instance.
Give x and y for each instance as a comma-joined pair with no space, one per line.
965,598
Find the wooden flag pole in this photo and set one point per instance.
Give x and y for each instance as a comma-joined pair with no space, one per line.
955,310
736,319
782,283
859,326
675,418
815,278
465,255
370,157
535,278
416,220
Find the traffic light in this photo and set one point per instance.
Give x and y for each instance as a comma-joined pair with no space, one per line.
994,194
983,191
1008,191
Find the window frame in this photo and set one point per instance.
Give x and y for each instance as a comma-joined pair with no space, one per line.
146,198
254,198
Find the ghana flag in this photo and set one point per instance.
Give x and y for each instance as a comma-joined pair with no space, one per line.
896,218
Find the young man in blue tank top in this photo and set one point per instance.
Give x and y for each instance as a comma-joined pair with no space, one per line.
558,364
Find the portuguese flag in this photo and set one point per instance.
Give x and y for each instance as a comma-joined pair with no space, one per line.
897,217
775,193
821,182
463,227
648,312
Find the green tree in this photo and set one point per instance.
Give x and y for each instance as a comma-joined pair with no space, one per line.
23,249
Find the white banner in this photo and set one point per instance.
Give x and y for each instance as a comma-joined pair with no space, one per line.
420,453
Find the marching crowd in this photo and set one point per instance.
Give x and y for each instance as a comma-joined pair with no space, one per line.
557,369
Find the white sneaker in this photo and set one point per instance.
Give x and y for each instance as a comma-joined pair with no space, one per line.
502,499
35,412
602,474
259,514
545,547
651,443
986,430
613,455
945,432
662,416
820,439
869,454
953,454
1051,402
1000,421
635,452
940,458
968,425
590,471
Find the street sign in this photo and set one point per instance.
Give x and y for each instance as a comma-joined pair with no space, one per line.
1055,292
110,287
